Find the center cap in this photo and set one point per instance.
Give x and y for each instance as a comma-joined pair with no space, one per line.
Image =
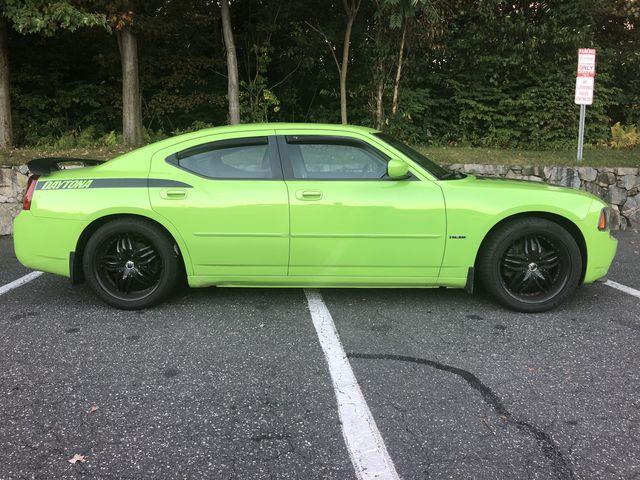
533,266
130,264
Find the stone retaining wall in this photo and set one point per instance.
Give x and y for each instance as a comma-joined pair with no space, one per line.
618,186
13,182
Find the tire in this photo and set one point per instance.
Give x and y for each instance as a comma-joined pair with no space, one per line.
131,264
530,265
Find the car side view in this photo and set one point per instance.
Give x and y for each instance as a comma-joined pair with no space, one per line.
298,205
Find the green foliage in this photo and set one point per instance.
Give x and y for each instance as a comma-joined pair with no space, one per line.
194,127
47,17
624,137
257,100
487,74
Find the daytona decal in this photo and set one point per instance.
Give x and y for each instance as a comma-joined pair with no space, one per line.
108,183
66,184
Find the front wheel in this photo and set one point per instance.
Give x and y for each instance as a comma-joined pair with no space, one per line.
530,264
130,264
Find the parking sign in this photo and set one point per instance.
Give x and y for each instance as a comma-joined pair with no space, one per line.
585,76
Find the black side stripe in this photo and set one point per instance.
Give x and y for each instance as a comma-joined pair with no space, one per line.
82,184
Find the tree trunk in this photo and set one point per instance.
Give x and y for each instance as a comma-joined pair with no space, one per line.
396,82
131,102
233,87
379,116
344,66
6,128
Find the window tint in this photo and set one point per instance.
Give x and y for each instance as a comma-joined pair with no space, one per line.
239,161
334,161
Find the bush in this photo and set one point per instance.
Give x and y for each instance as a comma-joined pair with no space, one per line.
624,137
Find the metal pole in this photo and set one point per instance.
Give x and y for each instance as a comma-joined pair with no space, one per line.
583,110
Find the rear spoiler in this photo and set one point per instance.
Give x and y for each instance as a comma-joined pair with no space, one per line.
44,166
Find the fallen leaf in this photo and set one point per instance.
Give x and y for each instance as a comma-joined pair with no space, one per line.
78,458
93,408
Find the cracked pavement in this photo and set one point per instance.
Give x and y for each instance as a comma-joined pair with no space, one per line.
232,383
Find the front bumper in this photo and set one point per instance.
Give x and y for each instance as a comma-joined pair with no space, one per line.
601,249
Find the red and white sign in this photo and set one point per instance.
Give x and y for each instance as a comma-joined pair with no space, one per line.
585,76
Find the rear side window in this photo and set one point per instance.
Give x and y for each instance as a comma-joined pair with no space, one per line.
234,159
334,160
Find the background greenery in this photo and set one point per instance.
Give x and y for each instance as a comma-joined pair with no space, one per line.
477,73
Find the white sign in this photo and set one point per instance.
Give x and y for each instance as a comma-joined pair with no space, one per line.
585,76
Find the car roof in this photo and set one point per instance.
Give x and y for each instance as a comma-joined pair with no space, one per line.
287,126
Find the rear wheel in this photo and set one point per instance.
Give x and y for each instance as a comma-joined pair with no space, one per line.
530,265
130,264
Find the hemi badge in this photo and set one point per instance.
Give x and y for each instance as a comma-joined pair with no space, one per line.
457,237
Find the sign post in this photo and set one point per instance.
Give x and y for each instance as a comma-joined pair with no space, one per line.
584,88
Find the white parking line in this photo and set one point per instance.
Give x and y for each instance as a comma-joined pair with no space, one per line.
366,448
21,281
623,288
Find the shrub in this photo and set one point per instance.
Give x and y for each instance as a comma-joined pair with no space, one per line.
624,136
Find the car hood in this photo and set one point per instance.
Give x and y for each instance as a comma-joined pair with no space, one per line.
526,185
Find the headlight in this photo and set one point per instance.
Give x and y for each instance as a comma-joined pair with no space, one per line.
603,221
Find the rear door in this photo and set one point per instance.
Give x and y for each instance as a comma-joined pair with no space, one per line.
230,203
349,221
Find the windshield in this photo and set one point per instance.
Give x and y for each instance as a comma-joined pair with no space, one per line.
433,168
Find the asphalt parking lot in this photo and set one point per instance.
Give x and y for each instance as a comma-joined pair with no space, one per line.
233,383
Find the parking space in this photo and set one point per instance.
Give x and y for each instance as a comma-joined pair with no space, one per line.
233,383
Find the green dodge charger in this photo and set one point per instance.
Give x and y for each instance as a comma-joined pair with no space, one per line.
298,205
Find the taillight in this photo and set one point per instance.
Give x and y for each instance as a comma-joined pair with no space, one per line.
603,221
28,195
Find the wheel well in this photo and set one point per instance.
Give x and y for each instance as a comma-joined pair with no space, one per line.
564,222
77,274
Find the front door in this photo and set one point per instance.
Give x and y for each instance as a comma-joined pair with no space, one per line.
349,221
233,209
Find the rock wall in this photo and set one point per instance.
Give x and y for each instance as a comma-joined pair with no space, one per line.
13,182
618,186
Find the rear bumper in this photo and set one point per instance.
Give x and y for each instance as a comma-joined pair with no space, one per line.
601,249
43,243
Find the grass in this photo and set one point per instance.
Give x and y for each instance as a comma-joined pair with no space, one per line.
601,157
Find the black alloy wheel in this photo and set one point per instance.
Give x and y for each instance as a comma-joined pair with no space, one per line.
530,264
128,266
534,268
131,263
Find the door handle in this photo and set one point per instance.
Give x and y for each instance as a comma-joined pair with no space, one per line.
173,194
309,195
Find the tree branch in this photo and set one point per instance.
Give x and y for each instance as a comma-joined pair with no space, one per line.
329,44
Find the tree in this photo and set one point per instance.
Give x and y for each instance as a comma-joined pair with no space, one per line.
34,16
233,85
121,17
351,8
6,125
132,131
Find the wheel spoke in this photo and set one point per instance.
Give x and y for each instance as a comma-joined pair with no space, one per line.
129,244
144,278
536,244
111,265
518,281
145,256
514,261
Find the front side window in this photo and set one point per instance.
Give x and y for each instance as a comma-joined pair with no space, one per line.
228,161
334,160
436,170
